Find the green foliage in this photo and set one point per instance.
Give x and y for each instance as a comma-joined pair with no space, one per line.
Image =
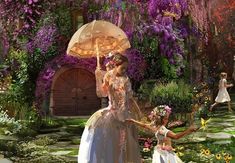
18,121
35,151
208,152
44,141
22,88
76,141
49,122
18,110
202,99
8,125
176,95
26,132
26,69
80,122
149,47
158,65
169,70
75,126
146,89
63,21
22,119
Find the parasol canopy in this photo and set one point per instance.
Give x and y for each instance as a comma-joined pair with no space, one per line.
97,38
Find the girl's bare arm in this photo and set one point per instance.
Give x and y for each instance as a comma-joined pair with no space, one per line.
227,85
172,135
143,125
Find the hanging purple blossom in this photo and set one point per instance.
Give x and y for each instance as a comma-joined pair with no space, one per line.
44,39
4,45
137,65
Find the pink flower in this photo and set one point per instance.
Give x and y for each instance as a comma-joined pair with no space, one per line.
168,109
30,2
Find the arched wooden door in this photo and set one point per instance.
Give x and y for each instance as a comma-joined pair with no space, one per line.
74,93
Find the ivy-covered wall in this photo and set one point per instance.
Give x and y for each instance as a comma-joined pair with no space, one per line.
38,32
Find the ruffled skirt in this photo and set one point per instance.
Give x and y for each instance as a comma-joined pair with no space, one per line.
107,139
222,96
164,156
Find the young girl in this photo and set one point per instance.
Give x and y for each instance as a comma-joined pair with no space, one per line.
163,152
223,95
106,137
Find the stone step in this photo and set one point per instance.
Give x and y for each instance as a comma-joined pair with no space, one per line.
4,160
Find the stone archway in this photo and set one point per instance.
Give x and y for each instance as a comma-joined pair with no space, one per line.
73,93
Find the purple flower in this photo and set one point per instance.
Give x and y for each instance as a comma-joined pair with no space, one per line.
44,39
137,65
30,2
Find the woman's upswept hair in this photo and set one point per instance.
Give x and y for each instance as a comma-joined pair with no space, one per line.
119,59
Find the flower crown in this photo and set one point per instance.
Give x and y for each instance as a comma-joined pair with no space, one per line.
109,64
161,110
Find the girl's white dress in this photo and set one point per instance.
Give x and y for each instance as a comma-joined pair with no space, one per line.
161,154
107,138
223,95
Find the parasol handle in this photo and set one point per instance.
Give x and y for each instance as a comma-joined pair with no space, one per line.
98,62
97,55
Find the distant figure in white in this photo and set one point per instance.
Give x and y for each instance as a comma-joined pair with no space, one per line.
223,95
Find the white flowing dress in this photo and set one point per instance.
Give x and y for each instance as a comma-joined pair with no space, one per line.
223,95
107,138
160,154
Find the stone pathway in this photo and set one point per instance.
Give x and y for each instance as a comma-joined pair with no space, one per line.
67,145
219,130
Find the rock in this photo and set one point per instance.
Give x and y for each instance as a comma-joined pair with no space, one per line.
76,141
72,158
4,160
229,129
225,124
61,153
75,129
50,135
220,135
223,142
63,145
4,137
49,130
65,136
193,138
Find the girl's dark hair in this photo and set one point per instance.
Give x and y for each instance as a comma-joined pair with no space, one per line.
223,74
119,59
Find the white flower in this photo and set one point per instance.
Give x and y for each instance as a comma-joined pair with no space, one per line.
146,149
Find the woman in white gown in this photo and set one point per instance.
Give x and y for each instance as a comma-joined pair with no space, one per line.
163,152
106,137
223,95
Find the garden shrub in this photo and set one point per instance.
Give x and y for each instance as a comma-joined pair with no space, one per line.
176,95
146,89
9,125
31,152
49,122
208,152
44,141
202,99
